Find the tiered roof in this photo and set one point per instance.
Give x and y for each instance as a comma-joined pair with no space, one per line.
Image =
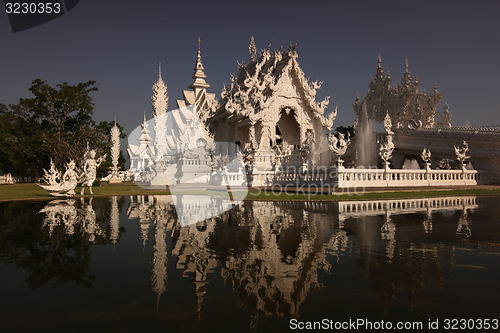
251,89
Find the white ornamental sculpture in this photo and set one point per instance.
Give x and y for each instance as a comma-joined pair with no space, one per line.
90,166
115,154
426,155
338,145
386,149
385,152
159,101
60,186
462,153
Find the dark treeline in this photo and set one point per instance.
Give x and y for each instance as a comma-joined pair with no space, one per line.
55,123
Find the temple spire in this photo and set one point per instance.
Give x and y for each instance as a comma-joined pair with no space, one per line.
407,80
199,76
144,138
252,49
159,99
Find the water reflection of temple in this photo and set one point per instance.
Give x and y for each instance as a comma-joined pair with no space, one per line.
272,253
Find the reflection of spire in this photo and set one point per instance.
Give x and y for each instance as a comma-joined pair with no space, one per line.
159,273
144,225
254,322
388,233
114,220
428,222
463,228
200,291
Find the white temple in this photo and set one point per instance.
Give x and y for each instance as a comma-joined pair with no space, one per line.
269,110
268,129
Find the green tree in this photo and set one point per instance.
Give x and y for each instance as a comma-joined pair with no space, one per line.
61,117
56,123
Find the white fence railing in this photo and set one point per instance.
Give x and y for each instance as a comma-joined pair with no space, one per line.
351,178
408,178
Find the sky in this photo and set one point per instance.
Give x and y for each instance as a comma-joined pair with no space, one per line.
120,43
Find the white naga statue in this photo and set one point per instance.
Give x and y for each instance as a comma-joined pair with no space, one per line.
61,186
90,166
338,145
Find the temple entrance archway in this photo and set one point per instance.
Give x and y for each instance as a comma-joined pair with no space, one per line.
287,129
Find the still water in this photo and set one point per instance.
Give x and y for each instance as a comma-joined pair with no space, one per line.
128,264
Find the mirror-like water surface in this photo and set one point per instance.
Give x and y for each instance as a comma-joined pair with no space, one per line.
128,264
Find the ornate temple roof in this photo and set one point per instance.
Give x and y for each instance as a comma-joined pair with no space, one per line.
407,103
256,81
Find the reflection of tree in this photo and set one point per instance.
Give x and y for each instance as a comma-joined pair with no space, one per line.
54,246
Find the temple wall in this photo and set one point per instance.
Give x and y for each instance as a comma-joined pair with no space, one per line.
484,147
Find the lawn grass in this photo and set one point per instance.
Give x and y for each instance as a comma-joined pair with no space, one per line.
34,192
30,191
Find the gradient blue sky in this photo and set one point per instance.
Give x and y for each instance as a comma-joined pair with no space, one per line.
119,44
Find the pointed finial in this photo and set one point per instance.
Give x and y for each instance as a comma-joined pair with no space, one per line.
144,116
252,48
406,64
379,60
159,69
199,48
199,76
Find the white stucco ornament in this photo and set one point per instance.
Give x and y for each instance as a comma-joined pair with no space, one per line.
426,155
461,153
60,186
339,145
385,152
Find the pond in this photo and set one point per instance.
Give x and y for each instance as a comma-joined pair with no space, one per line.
129,264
